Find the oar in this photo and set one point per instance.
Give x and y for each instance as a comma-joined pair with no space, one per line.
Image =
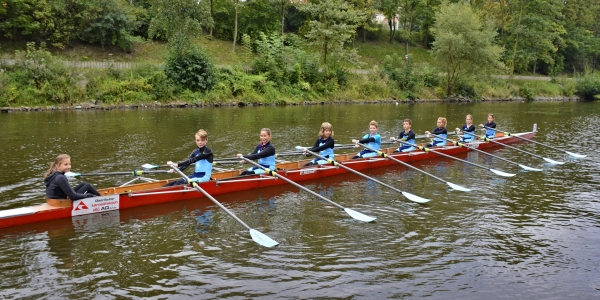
410,196
354,214
484,138
450,184
459,144
541,144
134,173
425,149
256,235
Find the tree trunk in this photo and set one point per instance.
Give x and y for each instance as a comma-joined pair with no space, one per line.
235,30
282,16
391,29
364,34
212,17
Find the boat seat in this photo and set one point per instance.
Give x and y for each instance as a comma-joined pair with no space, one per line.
59,202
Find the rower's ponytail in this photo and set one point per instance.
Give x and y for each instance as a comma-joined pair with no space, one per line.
56,162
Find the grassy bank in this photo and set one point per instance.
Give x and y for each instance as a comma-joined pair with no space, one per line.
41,79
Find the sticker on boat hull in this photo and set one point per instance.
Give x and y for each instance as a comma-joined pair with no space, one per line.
308,171
95,205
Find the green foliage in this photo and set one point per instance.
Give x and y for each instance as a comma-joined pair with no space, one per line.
191,70
38,78
464,44
588,87
333,23
177,21
110,28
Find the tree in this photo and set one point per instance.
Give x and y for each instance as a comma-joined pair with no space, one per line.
535,31
177,20
408,10
333,23
369,9
463,44
390,9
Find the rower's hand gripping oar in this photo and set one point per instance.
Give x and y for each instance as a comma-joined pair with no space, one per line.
354,214
332,162
427,150
554,162
450,184
134,173
541,144
459,144
256,235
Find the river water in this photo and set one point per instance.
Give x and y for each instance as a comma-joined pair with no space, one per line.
532,236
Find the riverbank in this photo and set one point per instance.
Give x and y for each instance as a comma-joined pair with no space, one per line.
92,106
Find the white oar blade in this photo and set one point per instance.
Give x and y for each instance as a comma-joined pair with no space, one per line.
298,147
262,239
457,187
554,162
575,154
524,167
415,198
502,173
71,174
149,166
358,216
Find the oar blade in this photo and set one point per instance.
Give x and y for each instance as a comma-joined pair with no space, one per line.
262,238
575,154
149,166
457,187
415,198
72,174
359,216
554,162
524,167
501,173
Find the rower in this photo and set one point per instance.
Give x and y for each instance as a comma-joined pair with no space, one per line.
440,131
324,145
57,184
201,158
406,135
490,133
468,130
264,152
372,139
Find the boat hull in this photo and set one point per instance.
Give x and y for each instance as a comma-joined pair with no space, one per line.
143,194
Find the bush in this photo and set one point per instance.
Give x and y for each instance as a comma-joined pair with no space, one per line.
588,86
38,78
191,69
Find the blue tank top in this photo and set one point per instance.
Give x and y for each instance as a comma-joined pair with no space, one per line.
489,132
202,169
267,162
376,144
327,152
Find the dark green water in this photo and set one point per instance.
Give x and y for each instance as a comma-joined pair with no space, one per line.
532,236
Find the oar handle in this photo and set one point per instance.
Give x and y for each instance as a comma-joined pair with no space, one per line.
274,174
195,185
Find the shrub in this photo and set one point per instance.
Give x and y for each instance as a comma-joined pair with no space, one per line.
588,86
191,69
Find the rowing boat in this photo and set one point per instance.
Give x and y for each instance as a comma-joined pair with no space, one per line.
150,193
